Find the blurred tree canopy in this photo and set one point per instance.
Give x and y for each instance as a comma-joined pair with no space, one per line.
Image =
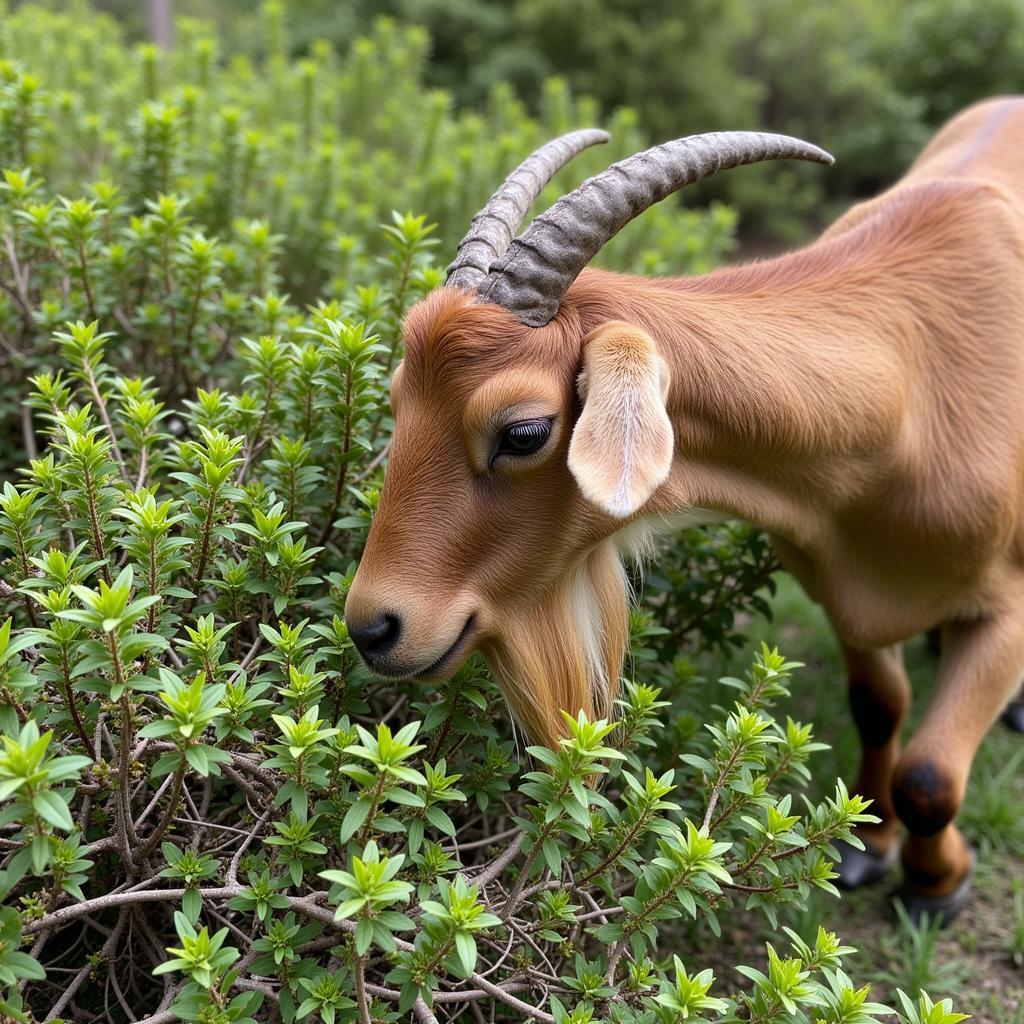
866,79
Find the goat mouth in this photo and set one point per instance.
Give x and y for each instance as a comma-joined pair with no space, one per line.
438,665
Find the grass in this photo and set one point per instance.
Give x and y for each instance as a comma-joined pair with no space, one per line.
980,959
1016,945
915,963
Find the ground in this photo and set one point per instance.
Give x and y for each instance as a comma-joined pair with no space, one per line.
978,960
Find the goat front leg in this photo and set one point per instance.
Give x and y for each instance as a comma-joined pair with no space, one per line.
978,673
879,694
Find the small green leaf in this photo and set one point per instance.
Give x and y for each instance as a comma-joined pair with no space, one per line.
50,807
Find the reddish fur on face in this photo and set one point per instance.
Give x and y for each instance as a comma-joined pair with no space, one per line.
448,336
860,399
452,538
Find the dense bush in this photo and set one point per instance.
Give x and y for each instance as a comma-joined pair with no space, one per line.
191,173
210,812
866,79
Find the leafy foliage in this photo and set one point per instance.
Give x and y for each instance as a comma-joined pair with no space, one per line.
868,80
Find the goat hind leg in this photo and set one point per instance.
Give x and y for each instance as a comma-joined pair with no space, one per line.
978,672
879,695
1013,716
1013,713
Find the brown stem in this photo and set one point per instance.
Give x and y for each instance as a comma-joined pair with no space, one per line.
423,1012
143,465
716,791
101,408
631,926
168,815
738,801
94,524
256,445
306,906
69,696
204,548
438,745
307,421
20,292
620,848
753,858
339,486
126,827
80,978
151,614
361,1000
374,800
517,892
27,432
26,571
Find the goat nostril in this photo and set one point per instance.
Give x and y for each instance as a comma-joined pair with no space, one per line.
375,639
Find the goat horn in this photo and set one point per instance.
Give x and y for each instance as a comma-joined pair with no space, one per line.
536,271
492,229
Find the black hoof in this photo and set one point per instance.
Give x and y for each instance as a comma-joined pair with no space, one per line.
944,909
862,867
1013,716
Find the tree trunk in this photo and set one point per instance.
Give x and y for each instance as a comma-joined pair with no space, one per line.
161,28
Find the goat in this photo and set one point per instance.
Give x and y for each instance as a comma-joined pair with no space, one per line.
859,399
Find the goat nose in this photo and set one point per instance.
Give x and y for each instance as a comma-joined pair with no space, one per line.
375,639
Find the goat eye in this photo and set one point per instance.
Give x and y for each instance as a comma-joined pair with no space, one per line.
523,438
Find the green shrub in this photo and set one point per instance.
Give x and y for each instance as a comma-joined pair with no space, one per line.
210,812
866,79
214,198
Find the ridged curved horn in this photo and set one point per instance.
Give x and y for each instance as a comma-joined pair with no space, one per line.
493,228
535,272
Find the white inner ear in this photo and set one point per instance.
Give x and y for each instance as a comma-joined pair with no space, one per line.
621,449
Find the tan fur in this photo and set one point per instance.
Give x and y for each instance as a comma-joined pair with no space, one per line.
861,399
621,448
567,651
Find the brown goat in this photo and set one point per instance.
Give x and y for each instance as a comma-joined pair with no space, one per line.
861,399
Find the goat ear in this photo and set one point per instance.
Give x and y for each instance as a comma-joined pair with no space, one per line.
621,448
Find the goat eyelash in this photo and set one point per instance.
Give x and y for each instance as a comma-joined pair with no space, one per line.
538,428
